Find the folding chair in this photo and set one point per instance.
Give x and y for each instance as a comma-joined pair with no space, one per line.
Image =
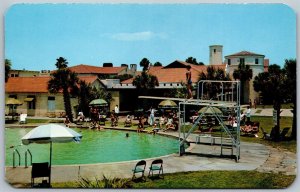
156,165
266,136
40,170
139,168
283,133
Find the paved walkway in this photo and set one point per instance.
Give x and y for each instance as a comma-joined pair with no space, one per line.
253,157
269,112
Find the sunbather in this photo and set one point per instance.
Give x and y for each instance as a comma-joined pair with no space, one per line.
247,128
161,121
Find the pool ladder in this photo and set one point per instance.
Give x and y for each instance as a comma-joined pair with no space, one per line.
16,151
28,152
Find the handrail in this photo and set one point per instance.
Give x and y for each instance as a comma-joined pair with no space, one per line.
26,157
16,151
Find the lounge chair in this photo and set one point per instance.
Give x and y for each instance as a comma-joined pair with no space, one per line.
283,133
40,170
23,118
139,168
156,165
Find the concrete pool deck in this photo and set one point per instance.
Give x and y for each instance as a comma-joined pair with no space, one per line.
254,156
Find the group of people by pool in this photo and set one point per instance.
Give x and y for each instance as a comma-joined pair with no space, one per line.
167,121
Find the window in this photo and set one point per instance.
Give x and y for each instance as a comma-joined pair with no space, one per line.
229,61
12,96
256,61
51,103
30,101
242,60
215,50
164,84
171,84
14,75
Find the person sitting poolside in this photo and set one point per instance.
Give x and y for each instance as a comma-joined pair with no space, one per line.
170,126
161,121
99,128
67,121
170,122
128,120
155,128
247,128
80,116
113,119
140,125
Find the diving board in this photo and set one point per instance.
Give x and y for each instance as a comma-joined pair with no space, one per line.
214,103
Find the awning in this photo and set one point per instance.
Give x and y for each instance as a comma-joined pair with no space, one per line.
28,99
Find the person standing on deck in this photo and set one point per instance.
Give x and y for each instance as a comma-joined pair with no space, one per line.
152,116
188,75
117,111
248,113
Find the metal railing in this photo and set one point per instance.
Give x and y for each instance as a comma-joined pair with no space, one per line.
16,151
28,152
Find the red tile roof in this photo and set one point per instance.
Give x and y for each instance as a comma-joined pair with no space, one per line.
174,74
244,53
34,84
80,69
27,85
88,79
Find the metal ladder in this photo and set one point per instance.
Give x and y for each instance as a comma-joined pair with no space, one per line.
16,151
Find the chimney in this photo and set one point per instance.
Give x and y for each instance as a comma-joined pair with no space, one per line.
108,65
133,68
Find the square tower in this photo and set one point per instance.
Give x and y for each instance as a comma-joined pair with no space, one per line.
215,54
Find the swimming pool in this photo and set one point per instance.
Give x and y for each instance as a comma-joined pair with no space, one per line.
95,147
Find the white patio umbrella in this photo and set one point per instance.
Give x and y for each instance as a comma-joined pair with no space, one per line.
51,133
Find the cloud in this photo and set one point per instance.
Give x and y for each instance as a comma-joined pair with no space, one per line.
137,36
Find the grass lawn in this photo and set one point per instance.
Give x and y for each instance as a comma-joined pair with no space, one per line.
283,106
43,121
267,124
220,180
197,180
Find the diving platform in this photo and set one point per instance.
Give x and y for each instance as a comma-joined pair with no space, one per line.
213,103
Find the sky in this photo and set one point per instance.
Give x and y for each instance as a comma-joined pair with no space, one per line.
93,34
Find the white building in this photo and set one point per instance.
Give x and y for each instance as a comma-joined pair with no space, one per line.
256,62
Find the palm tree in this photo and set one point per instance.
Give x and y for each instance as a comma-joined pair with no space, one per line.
84,97
244,74
145,81
7,69
66,81
213,73
272,84
157,64
290,72
145,63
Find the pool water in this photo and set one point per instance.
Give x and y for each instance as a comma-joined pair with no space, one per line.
95,147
